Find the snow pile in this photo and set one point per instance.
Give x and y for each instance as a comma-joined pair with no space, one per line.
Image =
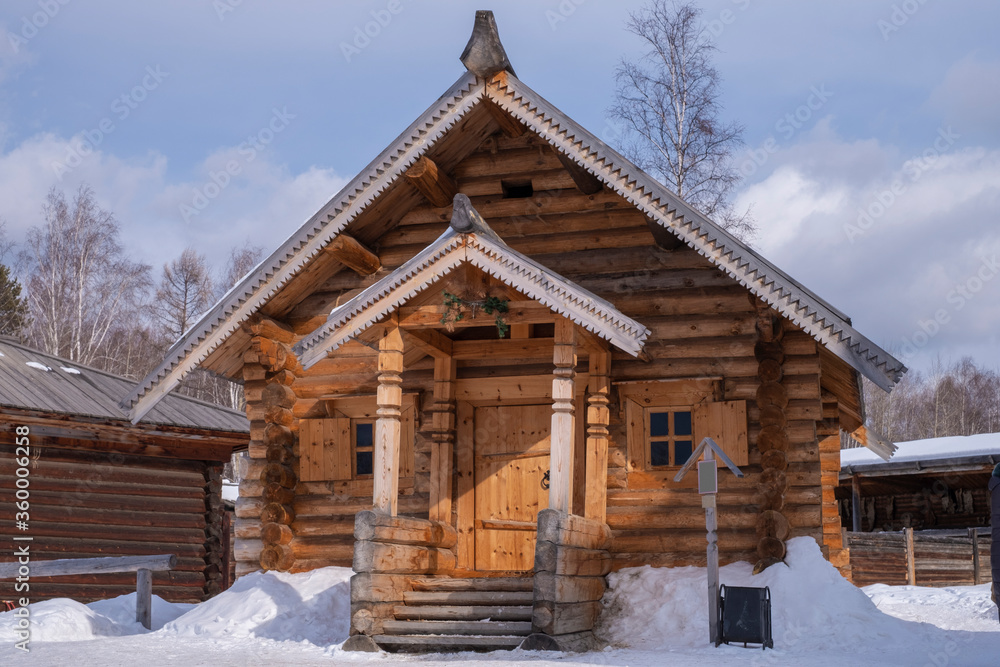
956,446
813,608
65,620
312,606
953,608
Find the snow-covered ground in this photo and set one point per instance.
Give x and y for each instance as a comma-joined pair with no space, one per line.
652,617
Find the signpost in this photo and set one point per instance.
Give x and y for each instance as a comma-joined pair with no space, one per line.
708,486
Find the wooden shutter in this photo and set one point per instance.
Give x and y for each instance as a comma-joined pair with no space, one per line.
726,423
325,450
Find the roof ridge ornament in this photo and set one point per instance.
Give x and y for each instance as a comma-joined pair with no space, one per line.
484,55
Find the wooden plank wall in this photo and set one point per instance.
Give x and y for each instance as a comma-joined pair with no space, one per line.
702,322
86,504
880,558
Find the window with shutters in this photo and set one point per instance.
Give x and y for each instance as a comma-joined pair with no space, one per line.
341,447
667,420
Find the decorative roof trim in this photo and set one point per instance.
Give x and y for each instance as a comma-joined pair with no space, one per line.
805,309
274,272
469,239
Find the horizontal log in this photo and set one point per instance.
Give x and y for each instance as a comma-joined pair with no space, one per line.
372,587
63,567
380,527
550,587
572,530
402,559
560,619
88,593
550,557
248,550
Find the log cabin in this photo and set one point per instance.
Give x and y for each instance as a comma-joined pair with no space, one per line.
97,485
475,372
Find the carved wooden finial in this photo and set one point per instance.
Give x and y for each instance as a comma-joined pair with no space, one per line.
463,216
484,55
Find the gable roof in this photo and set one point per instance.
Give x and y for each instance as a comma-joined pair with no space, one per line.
469,239
34,380
822,321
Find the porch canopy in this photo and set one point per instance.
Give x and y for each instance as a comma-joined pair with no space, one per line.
373,316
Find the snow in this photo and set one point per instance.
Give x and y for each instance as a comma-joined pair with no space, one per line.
932,448
230,490
36,365
71,371
651,616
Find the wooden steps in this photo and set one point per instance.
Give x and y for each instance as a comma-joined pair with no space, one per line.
474,614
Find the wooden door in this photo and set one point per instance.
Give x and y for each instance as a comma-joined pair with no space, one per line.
511,459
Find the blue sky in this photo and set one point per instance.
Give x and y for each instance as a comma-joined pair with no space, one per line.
872,157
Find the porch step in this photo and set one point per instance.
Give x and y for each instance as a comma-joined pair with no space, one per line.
452,614
463,613
480,628
478,598
439,643
473,584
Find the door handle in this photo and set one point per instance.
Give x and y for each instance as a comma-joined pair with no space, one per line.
545,480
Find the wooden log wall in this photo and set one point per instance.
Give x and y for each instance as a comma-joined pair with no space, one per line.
934,504
937,560
388,552
87,504
571,560
703,326
270,399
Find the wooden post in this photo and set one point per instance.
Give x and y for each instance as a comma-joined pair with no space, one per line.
563,418
387,425
444,439
712,559
911,570
144,598
855,504
598,418
974,534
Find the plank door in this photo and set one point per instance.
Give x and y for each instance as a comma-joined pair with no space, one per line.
511,459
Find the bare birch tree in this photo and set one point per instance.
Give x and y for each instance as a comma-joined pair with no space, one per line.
185,292
81,286
669,103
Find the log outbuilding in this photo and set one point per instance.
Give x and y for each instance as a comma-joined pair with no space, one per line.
79,480
475,372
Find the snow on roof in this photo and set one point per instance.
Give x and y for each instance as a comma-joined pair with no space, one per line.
952,447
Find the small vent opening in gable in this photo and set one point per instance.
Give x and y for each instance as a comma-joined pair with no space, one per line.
517,189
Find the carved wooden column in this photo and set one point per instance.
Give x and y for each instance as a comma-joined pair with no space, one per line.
443,425
563,418
387,425
772,441
598,418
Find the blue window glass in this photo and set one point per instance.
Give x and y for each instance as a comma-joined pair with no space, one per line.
659,424
682,423
364,463
364,436
659,453
682,452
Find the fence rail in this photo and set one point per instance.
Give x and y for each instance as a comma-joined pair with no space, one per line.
143,566
928,558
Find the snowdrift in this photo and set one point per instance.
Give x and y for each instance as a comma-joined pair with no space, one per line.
813,608
312,607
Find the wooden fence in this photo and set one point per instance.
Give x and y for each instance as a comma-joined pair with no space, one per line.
923,558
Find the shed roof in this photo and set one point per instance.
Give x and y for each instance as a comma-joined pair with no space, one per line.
499,86
34,380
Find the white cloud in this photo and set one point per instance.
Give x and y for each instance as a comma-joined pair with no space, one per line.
969,96
935,233
264,203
